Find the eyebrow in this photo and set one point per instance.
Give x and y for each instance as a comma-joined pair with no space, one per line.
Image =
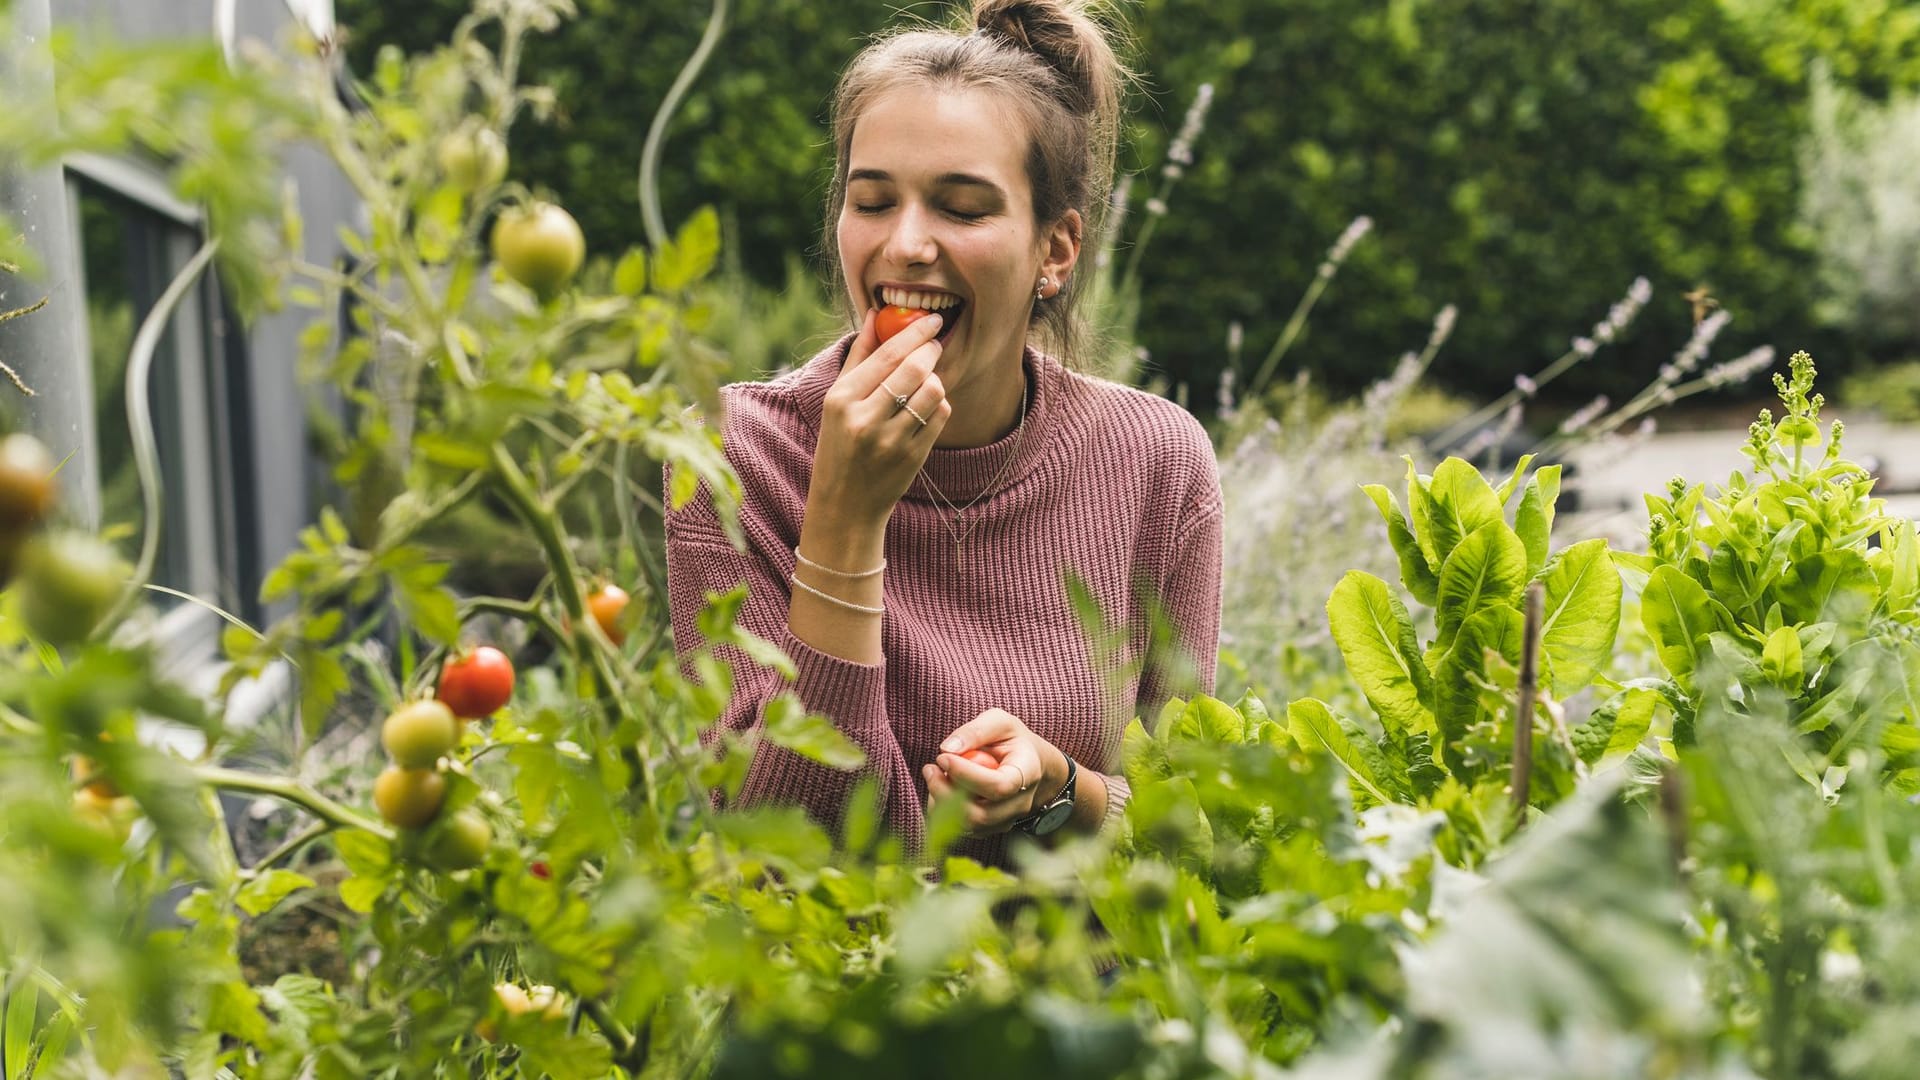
952,179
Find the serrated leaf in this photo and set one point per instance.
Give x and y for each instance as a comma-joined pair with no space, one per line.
1416,573
692,253
630,274
263,893
1488,568
1376,639
1581,615
1315,726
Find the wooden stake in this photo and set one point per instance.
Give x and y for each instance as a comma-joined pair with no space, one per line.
1529,690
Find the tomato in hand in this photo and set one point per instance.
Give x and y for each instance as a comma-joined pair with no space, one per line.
607,605
417,734
893,318
539,246
982,759
476,683
409,798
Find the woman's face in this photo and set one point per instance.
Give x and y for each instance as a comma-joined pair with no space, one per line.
938,213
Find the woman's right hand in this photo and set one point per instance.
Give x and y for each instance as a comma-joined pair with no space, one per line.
870,448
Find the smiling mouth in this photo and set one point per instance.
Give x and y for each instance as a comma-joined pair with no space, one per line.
949,316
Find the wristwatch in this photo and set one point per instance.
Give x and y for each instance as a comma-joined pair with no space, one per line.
1048,818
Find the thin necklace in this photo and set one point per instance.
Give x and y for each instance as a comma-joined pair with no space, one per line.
955,526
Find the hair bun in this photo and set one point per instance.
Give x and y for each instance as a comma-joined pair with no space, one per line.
1053,30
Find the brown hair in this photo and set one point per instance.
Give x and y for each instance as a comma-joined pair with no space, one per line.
1055,66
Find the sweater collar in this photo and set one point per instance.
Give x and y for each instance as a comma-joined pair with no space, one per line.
961,475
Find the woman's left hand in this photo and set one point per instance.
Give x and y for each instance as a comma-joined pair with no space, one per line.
1029,770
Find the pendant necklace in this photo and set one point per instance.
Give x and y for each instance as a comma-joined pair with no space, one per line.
959,527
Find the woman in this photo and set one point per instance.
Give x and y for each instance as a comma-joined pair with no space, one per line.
914,509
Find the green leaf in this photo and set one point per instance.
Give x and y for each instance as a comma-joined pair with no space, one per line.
1487,569
787,724
630,274
1212,721
1416,573
1168,819
1463,504
1781,660
259,896
1512,483
1582,615
1615,728
1533,519
1377,640
1828,586
451,451
692,253
1456,685
21,1007
1677,615
1314,725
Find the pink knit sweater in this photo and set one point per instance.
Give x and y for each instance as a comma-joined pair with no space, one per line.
1112,485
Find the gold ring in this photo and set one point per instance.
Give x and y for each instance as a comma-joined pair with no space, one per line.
903,404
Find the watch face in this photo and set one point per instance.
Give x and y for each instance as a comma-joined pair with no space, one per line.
1054,817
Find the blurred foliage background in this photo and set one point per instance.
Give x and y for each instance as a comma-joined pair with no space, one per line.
1523,159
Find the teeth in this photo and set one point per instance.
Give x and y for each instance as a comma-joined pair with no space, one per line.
912,298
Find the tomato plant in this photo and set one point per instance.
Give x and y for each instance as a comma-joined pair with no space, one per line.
473,158
477,683
539,246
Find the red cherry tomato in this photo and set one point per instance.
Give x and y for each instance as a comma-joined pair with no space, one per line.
477,683
982,759
893,318
541,870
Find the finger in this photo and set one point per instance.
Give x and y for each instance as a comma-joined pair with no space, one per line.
864,342
992,726
888,356
924,407
995,784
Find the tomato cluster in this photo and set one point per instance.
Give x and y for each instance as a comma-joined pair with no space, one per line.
68,581
411,791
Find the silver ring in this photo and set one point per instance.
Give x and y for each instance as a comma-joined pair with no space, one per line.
1023,775
902,402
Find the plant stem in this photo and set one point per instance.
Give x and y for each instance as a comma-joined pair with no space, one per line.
623,1040
146,449
288,791
650,216
1529,690
292,844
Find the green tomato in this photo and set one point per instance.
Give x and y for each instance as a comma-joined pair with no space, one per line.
417,734
474,158
539,246
68,583
462,842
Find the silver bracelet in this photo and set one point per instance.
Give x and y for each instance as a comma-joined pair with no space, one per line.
804,561
832,599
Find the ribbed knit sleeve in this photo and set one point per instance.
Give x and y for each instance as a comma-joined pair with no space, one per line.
701,560
1191,598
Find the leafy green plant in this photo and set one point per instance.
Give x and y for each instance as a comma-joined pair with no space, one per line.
1796,579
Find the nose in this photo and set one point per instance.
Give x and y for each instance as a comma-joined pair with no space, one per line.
912,241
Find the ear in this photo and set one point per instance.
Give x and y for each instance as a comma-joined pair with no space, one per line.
1061,246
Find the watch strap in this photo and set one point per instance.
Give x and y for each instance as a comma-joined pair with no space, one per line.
1066,796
